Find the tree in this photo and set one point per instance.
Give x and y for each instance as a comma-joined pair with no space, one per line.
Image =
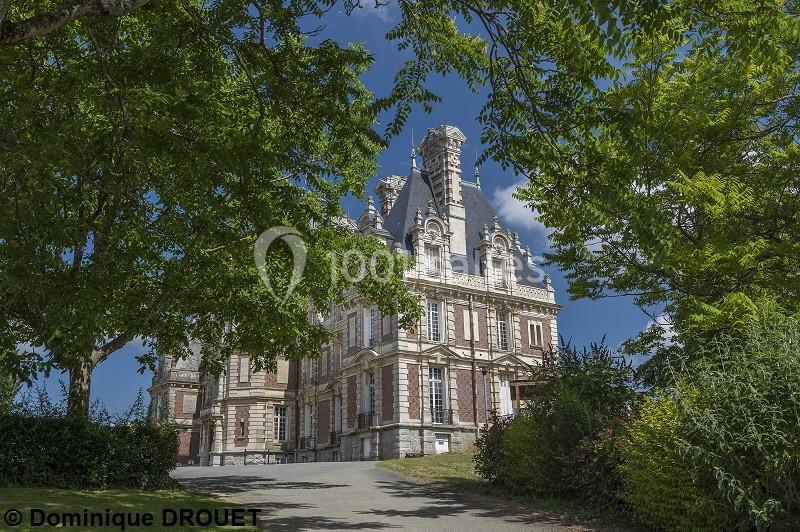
659,141
54,16
141,158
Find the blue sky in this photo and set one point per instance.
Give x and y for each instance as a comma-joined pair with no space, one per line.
116,381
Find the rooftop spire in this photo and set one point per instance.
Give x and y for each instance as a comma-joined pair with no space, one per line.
477,171
413,152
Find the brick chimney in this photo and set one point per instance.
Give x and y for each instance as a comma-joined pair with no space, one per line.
441,158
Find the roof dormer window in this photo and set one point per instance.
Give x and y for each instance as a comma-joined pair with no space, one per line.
433,260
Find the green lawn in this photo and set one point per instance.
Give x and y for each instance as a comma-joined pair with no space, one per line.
457,471
52,500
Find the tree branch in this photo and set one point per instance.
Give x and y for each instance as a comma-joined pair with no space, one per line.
66,12
5,5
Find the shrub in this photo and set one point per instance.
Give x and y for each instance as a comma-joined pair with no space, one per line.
489,448
657,482
64,453
546,447
740,420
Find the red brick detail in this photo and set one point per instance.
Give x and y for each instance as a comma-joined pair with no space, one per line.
179,413
458,314
294,368
413,391
352,349
351,401
524,330
483,330
387,393
461,327
483,403
188,446
324,421
242,416
271,381
466,408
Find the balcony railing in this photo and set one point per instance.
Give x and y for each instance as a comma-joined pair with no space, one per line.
365,420
336,438
443,416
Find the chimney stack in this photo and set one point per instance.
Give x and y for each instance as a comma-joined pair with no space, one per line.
441,159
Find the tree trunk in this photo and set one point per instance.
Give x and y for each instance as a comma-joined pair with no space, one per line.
80,380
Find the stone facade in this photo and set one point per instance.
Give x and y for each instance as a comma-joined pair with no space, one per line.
376,390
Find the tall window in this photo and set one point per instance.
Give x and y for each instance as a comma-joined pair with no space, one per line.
436,392
307,421
369,392
499,273
434,321
535,338
351,331
374,321
502,331
279,423
506,405
337,414
432,260
371,325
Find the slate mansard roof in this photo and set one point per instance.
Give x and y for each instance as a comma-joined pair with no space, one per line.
417,193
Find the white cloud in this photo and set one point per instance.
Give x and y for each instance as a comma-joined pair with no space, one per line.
517,213
383,12
665,323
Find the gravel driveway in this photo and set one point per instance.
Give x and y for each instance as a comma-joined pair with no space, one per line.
357,496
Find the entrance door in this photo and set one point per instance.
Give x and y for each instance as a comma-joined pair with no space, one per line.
506,405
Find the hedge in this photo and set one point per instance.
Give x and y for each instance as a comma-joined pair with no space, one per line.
64,453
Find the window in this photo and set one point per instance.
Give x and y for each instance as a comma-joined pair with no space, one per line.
499,273
323,369
502,331
244,369
241,429
434,321
351,331
432,260
467,329
279,423
506,405
337,414
369,392
371,324
535,337
436,393
307,421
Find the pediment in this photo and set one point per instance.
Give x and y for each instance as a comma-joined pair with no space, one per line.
363,357
440,352
512,358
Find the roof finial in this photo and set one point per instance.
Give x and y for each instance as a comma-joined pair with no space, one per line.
477,170
413,152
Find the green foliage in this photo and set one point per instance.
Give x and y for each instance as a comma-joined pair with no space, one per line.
739,409
73,453
563,443
489,448
141,158
658,485
658,138
9,386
